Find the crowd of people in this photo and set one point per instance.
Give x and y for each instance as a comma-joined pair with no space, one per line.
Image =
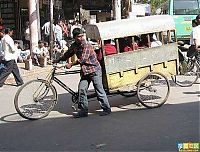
62,36
14,51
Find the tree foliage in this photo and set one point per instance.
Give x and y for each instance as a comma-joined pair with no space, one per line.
154,3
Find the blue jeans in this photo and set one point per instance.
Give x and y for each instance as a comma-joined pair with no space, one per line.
84,83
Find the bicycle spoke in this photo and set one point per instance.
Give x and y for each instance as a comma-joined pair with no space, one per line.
35,100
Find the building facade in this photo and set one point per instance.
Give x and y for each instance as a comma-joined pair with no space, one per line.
14,13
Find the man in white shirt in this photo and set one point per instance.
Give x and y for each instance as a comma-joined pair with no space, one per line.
46,31
196,33
58,32
196,37
75,24
9,59
40,52
1,51
27,34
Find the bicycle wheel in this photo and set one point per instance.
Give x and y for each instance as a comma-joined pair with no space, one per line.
153,90
188,74
35,99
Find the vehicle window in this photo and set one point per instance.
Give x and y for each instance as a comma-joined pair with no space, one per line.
185,7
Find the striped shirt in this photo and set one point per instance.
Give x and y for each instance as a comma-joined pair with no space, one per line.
86,57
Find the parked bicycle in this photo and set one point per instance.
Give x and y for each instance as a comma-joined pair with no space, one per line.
188,68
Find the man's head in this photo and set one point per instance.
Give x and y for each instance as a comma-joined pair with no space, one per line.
194,23
78,35
198,19
16,42
59,22
40,44
8,31
1,35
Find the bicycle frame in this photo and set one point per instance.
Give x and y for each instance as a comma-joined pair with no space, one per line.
52,77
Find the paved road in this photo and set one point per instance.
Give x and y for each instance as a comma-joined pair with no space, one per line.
128,128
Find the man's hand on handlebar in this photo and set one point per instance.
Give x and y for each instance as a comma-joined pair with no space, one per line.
68,65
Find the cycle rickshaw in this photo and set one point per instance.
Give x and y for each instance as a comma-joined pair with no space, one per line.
143,72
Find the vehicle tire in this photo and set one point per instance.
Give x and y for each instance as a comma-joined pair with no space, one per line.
35,99
130,93
153,90
188,74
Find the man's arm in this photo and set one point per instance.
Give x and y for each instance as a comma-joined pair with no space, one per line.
195,36
66,55
84,58
11,45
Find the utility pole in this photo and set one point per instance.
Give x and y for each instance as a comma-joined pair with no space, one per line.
51,28
33,26
38,20
116,9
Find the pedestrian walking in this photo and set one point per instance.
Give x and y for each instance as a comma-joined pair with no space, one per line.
9,59
195,38
90,71
46,31
1,51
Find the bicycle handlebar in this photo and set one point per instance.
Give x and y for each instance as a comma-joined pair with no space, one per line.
66,71
56,65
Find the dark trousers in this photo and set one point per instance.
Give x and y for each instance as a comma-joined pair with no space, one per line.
10,67
47,39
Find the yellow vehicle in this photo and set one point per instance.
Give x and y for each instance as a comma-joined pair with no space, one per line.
144,70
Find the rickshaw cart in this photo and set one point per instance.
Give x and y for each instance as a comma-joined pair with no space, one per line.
143,71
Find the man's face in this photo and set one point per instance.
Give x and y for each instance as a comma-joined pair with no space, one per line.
198,21
60,23
1,34
41,45
79,38
11,33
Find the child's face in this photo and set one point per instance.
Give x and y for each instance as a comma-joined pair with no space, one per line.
41,45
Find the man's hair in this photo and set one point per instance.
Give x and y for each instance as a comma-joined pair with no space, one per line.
16,42
198,20
198,17
7,30
40,41
77,31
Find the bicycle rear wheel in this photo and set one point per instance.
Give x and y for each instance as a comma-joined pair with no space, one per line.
153,90
188,74
35,99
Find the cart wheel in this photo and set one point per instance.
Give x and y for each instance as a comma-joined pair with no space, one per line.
153,90
130,93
